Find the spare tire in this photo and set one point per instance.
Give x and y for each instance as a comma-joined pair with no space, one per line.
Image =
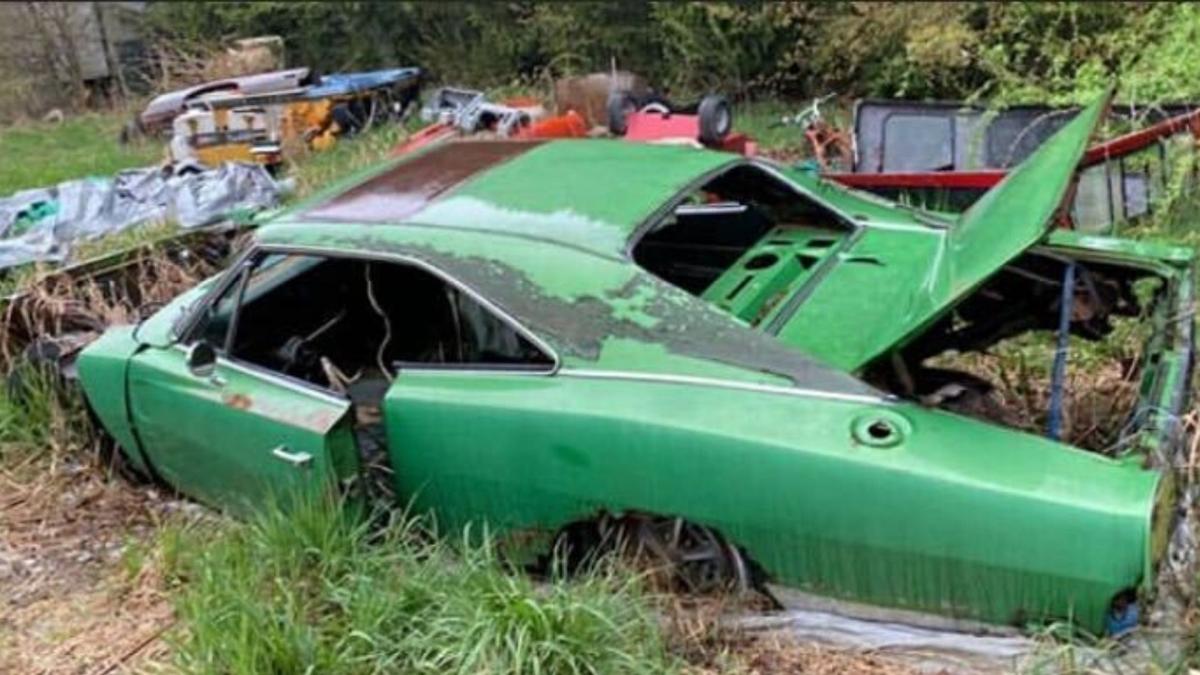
620,104
716,119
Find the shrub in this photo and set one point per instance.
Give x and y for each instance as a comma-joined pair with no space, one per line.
1061,52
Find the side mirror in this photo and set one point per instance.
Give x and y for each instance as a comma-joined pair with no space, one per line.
201,359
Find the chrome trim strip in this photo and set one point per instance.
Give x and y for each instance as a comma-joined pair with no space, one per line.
275,378
432,369
283,380
643,228
182,330
725,384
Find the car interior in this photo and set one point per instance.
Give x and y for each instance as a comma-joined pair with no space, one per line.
309,317
741,241
349,325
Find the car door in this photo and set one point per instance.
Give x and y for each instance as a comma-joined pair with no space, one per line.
229,433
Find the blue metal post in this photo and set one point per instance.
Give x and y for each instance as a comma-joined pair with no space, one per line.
1059,374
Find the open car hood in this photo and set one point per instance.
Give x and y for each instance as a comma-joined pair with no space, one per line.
891,283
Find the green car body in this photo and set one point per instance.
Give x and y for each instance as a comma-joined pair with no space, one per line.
745,413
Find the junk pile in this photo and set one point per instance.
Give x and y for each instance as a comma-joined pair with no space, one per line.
226,137
265,117
945,155
619,105
42,225
452,112
940,156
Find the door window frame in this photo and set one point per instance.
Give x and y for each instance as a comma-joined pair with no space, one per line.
187,328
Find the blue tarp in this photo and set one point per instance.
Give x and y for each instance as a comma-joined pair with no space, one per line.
342,84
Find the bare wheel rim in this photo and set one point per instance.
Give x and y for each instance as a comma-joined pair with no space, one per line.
696,557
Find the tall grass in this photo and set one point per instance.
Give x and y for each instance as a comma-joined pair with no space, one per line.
315,170
39,418
312,590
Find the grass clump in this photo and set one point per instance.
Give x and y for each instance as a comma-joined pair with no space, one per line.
310,589
123,240
39,418
313,171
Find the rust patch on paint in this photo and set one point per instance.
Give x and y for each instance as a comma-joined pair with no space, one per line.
406,188
237,401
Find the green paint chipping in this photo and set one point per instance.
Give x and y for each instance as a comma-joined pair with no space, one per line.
657,405
633,307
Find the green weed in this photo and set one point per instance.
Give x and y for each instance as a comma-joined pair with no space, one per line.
311,590
39,418
316,170
123,240
135,554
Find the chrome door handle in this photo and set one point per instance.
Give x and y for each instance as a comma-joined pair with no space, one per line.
298,459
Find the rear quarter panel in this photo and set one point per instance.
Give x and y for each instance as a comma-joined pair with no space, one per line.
959,518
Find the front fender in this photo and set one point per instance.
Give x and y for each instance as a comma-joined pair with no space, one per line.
102,367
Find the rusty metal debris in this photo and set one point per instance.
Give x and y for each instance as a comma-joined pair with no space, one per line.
227,124
945,155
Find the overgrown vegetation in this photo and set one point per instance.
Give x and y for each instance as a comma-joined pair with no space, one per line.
310,589
40,422
42,419
1100,386
1001,51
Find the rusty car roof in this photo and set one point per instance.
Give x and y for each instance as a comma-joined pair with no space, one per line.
597,311
590,194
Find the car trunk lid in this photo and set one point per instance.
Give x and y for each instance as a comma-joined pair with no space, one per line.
1016,214
892,283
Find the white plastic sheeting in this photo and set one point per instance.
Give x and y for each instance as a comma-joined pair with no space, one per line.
43,223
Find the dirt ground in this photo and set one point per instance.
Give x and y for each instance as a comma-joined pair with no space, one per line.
771,654
77,598
82,592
